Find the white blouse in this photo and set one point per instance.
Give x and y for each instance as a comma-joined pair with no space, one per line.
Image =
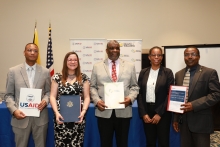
150,87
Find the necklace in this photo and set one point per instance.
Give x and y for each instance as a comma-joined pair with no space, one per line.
71,77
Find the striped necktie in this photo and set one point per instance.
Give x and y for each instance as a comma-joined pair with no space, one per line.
186,81
114,75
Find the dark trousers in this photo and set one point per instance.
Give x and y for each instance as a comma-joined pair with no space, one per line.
160,131
190,139
107,127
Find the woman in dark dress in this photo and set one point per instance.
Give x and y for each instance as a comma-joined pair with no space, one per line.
70,82
154,83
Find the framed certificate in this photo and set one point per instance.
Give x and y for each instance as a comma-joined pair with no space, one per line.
177,97
29,101
114,93
70,107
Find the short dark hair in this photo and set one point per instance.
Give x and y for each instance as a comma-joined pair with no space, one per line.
30,44
192,46
155,47
112,41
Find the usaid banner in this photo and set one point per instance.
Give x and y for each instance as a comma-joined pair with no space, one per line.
131,50
89,51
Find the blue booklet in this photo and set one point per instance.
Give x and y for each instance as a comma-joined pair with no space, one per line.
70,107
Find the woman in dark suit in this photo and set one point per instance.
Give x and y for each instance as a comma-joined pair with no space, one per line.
154,83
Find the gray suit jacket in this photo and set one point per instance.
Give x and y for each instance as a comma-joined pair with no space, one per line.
204,92
17,78
101,75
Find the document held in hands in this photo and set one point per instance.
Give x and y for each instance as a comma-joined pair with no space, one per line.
114,93
29,101
70,107
177,97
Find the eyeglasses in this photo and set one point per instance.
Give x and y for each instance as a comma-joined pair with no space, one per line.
190,54
112,48
158,55
70,60
30,51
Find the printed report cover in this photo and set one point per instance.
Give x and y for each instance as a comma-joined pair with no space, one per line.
177,97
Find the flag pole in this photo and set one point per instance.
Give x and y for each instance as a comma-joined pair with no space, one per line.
35,24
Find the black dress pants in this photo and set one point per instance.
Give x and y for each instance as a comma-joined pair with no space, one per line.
160,131
109,126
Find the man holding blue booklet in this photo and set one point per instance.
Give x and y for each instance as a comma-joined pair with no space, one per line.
195,124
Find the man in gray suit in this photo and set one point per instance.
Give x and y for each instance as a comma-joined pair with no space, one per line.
195,124
40,79
113,120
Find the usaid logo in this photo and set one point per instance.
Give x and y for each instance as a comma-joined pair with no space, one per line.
87,70
98,51
124,55
98,59
98,43
87,47
87,62
77,43
77,51
87,55
30,98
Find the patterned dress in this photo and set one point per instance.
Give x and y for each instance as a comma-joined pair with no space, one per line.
69,134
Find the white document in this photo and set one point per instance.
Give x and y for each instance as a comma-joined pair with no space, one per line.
177,97
29,101
114,93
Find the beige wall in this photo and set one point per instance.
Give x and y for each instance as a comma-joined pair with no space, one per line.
157,22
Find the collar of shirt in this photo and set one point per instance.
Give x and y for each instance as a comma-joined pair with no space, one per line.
192,68
27,66
110,62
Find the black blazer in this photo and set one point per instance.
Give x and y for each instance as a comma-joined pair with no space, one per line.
164,80
204,92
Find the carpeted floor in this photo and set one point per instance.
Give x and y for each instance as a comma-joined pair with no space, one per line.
215,139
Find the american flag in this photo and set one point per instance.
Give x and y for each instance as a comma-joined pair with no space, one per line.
50,54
